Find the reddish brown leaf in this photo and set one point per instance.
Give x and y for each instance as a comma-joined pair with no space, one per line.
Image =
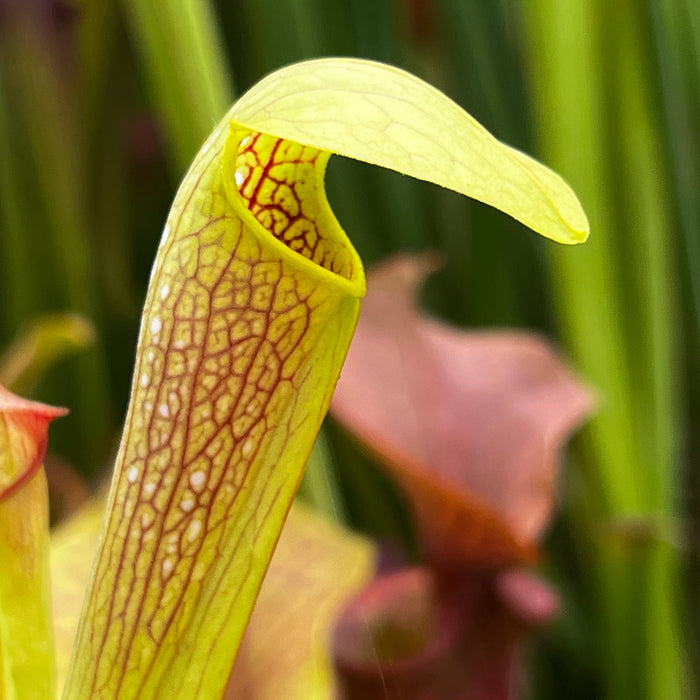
393,641
412,635
472,424
529,598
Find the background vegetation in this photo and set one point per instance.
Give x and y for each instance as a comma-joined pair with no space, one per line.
102,106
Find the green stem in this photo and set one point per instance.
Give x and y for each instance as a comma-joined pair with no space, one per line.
678,55
592,92
27,666
319,487
185,69
19,299
54,231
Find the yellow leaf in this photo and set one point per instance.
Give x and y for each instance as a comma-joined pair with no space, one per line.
253,300
73,546
382,115
316,569
41,343
26,636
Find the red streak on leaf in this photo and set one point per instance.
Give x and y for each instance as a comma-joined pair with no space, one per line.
23,437
470,424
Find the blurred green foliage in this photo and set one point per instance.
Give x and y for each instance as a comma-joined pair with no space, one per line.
102,105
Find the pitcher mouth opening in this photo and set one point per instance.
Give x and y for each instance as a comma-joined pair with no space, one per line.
278,188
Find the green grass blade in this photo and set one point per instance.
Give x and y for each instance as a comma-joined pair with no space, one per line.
619,312
185,70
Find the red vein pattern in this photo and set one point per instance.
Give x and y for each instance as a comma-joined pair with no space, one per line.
251,306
